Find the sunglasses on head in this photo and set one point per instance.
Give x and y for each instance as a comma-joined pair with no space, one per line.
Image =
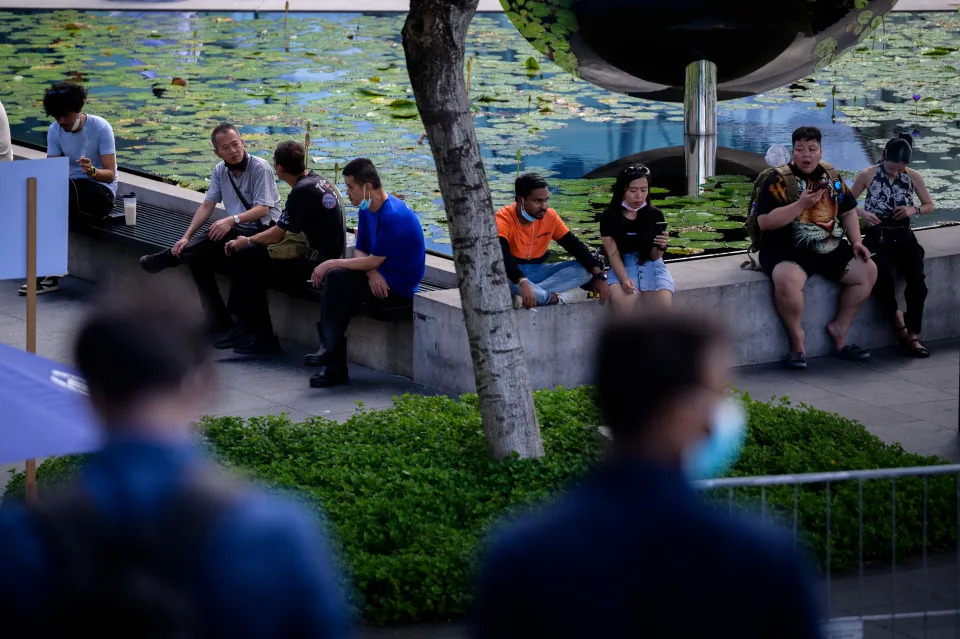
637,171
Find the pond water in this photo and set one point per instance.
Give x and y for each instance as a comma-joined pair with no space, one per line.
165,79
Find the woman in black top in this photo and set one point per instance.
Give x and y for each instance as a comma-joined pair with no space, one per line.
889,205
635,239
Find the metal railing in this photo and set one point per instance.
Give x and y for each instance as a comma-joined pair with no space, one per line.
918,585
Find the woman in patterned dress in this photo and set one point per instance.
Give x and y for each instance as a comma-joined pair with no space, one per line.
888,206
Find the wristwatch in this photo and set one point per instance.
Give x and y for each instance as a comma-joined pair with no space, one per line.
599,276
236,219
917,209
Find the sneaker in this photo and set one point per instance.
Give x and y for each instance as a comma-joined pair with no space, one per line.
158,261
573,296
45,285
517,302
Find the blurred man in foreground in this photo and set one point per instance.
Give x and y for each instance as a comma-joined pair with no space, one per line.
151,540
632,552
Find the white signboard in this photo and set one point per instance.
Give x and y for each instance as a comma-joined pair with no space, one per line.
53,175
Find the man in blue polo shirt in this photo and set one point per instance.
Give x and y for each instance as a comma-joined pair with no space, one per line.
385,271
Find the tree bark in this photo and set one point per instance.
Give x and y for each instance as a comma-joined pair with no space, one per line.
434,41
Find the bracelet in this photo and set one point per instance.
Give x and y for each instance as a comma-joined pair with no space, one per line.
918,210
522,280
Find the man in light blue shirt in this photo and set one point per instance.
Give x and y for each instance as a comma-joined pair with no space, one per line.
246,186
87,141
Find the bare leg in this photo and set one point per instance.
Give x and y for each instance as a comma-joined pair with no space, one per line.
857,283
623,303
662,299
788,282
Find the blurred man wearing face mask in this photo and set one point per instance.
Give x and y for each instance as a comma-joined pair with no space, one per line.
632,551
526,228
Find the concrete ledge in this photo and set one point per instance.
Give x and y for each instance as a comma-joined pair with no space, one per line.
559,340
382,346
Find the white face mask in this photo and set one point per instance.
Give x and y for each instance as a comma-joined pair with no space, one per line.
76,124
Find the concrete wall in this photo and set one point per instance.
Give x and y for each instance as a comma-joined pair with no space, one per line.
558,340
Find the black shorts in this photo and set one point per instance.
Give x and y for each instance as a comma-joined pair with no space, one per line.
832,265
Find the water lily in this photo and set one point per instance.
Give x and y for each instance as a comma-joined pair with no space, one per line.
916,97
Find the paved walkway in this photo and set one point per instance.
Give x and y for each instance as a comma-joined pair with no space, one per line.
316,5
911,401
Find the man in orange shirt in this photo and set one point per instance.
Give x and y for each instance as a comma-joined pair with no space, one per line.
526,228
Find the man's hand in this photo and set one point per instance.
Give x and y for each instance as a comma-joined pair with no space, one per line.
629,287
378,285
809,198
903,212
601,289
178,247
220,228
321,272
235,245
527,295
871,219
861,251
85,165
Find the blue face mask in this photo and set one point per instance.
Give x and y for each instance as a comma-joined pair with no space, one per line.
525,215
713,456
365,202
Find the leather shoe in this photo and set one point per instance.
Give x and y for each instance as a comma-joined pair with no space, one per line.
158,261
232,338
330,376
263,345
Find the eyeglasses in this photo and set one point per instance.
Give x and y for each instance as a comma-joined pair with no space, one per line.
638,170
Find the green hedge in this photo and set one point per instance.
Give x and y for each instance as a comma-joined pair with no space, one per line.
410,491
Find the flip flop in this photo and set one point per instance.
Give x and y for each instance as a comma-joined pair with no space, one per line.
853,353
795,361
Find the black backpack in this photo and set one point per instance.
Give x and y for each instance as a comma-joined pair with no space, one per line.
793,193
131,580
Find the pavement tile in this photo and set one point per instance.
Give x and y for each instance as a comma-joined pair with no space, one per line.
943,413
885,393
921,437
944,378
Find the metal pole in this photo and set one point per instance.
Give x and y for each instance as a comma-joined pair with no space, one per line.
700,123
31,466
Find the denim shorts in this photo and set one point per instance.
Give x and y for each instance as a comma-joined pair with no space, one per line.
651,275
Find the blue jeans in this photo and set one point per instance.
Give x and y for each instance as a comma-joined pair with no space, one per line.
552,278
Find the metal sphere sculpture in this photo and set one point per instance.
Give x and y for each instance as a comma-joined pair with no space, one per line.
641,47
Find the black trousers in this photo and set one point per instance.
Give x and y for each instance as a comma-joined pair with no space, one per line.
90,202
205,257
254,271
906,257
345,295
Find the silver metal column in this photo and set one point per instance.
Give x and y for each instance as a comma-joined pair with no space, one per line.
700,123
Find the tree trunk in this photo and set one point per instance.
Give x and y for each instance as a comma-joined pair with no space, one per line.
434,40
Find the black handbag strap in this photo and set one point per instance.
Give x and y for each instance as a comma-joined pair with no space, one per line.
243,200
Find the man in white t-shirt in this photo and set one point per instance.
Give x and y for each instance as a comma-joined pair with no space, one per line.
246,186
87,141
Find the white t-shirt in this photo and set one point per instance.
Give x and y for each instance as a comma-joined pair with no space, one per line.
92,141
6,150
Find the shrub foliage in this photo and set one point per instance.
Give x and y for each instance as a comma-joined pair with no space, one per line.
410,491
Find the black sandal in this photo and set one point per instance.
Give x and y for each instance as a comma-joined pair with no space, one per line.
919,351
